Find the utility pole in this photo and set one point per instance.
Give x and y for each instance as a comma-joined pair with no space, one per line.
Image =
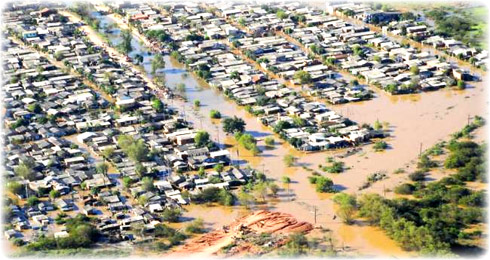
468,123
217,130
315,210
420,150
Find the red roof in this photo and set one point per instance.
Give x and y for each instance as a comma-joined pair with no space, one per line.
140,17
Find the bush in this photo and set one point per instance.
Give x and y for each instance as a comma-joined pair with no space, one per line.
201,139
233,125
269,141
461,153
426,162
162,230
214,114
336,167
197,103
248,142
380,146
405,188
18,242
171,215
322,184
417,176
347,206
461,84
32,201
196,227
289,160
214,194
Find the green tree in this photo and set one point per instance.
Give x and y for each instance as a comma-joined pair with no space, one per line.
127,182
322,184
214,114
260,190
125,46
218,167
32,201
245,198
461,84
25,171
172,215
108,152
346,207
289,160
15,187
54,194
415,70
405,188
302,76
196,227
139,58
197,103
281,14
34,108
241,21
269,141
102,168
233,125
136,150
226,198
201,138
157,104
157,63
380,146
140,169
147,184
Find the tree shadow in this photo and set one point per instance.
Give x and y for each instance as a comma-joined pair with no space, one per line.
339,187
258,134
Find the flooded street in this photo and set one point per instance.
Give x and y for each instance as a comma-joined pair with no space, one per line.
414,121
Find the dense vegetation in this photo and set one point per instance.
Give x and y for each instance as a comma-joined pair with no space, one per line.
436,219
81,234
457,23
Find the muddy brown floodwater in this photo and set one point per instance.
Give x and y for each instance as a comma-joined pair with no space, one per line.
425,118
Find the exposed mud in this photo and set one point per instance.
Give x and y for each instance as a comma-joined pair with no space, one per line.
257,222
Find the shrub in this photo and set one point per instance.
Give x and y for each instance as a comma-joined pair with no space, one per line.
269,141
380,146
197,103
405,188
289,160
417,176
171,215
336,167
322,184
215,114
196,227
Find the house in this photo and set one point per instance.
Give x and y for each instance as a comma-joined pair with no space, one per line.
64,205
11,233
